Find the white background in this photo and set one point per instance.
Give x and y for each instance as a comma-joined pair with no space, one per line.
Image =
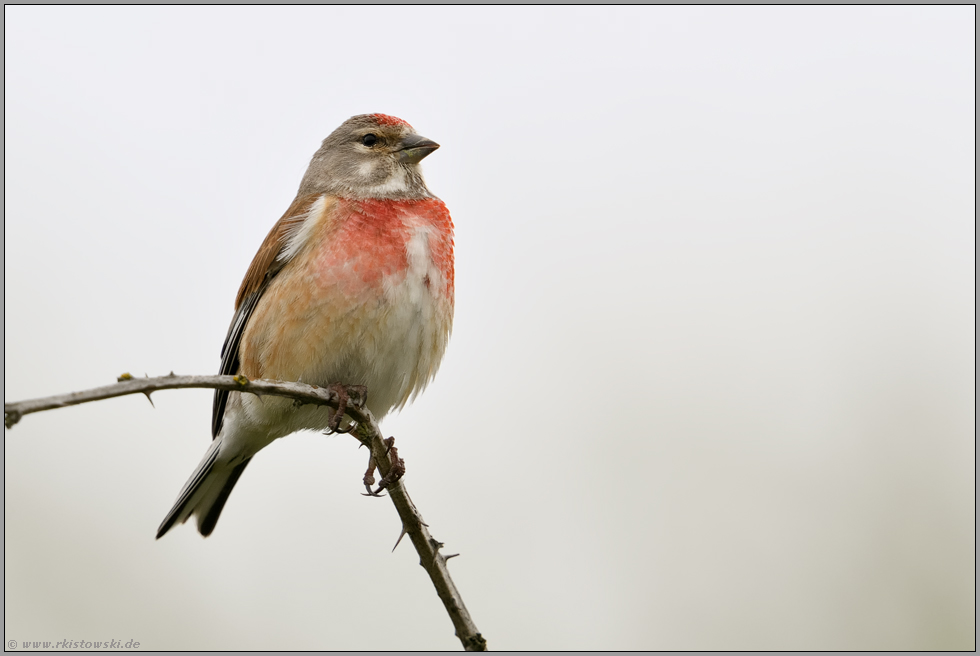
711,382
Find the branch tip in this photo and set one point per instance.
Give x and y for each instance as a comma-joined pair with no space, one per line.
475,643
11,417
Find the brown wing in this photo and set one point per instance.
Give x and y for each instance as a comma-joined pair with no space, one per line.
264,267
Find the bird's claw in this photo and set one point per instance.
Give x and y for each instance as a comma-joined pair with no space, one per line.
369,479
341,431
372,493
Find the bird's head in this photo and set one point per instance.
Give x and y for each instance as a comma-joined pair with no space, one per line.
370,156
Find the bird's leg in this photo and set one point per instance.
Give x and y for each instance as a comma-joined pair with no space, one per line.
343,393
338,416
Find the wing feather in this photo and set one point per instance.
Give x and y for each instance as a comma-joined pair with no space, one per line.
264,267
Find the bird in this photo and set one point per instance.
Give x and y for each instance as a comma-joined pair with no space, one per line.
354,285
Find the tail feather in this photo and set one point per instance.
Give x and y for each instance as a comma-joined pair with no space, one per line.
206,522
205,493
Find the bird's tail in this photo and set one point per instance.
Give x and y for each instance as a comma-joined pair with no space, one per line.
205,494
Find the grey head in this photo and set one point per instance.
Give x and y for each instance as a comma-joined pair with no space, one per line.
370,156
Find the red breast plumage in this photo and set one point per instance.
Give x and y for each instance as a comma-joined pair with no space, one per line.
356,307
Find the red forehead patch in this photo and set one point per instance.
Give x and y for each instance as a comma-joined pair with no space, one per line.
384,119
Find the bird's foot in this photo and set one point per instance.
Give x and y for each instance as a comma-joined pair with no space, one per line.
394,474
346,395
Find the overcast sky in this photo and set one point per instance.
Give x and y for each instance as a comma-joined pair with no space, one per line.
711,380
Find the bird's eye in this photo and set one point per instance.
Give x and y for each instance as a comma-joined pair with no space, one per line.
369,140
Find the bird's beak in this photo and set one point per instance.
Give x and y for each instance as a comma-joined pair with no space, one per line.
414,148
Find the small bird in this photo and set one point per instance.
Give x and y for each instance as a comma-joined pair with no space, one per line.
352,286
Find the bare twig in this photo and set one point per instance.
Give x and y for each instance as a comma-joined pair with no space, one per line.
366,430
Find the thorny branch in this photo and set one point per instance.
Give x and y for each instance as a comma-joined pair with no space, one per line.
366,430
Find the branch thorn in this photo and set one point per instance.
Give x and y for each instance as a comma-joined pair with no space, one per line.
399,540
